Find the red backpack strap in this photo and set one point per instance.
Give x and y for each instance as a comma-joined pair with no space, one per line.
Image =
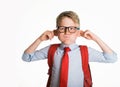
51,53
85,66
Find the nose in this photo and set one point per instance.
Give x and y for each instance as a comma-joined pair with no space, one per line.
66,30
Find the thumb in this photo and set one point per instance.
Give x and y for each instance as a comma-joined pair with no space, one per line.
87,35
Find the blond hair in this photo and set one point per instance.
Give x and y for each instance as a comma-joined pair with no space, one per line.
70,14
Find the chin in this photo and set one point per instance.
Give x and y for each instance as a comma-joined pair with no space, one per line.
68,43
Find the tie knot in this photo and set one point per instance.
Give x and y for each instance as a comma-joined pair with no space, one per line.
66,49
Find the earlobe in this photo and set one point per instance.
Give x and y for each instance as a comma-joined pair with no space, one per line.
55,32
81,32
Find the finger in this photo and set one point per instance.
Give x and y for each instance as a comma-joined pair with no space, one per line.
43,37
50,35
87,35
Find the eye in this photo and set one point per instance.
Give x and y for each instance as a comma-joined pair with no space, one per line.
71,28
61,28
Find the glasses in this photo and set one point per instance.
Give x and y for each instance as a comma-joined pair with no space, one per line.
71,29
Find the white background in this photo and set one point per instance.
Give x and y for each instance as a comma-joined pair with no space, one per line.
22,21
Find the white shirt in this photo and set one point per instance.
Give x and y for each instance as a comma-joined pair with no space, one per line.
75,74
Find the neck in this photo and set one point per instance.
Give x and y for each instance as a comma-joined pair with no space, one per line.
68,44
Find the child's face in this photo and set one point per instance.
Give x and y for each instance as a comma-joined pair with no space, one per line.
67,37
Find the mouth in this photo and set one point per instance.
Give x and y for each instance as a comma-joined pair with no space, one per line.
66,36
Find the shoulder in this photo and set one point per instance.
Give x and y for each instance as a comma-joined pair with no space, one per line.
53,46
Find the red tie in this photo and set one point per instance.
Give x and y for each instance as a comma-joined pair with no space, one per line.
64,68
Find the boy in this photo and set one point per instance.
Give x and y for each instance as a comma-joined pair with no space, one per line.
67,31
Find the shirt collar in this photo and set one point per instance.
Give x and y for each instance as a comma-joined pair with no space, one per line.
71,46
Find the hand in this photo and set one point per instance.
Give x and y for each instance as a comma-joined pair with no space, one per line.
88,35
47,35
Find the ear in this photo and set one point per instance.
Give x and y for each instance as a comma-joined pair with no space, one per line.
55,32
80,33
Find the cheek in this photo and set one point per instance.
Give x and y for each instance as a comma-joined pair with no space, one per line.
74,35
60,36
71,37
